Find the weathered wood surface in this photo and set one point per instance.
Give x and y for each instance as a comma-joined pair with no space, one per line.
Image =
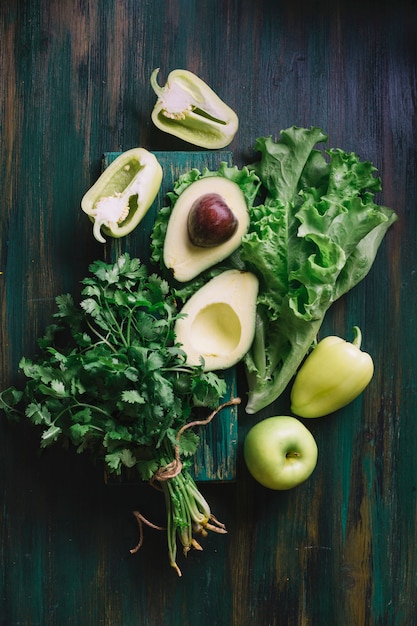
341,549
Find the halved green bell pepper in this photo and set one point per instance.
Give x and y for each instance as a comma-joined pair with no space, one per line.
124,192
189,109
333,375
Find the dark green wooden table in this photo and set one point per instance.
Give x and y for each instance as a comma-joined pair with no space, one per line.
340,550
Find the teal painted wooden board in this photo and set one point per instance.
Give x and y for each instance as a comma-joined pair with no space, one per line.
216,455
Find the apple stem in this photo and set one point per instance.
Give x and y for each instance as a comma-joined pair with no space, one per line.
291,455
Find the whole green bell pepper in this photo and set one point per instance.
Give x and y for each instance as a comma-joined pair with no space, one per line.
333,375
189,109
124,192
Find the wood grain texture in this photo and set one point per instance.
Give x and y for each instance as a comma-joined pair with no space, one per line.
74,83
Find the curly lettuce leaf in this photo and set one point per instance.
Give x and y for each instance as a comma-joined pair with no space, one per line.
314,239
283,162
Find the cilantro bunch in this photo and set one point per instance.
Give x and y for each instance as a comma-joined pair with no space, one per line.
111,379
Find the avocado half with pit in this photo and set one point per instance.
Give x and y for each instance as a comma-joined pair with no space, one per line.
219,322
185,259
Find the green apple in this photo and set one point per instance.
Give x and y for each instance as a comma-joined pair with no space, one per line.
280,452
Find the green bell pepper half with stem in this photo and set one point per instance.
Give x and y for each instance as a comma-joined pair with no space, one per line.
189,109
124,192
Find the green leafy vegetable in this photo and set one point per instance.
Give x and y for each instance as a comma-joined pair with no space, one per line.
314,238
111,379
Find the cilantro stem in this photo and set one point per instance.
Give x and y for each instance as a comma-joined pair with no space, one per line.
94,408
100,336
81,405
129,326
187,510
113,320
171,528
131,323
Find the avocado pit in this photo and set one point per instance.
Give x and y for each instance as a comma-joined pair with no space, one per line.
211,221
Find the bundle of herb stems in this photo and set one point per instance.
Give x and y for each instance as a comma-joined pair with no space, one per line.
111,379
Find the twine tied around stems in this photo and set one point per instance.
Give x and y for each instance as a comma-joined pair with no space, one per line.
173,468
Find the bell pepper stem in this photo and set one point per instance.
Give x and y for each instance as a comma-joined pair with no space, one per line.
154,83
358,337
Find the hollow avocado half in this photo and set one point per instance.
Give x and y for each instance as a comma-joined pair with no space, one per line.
219,322
181,256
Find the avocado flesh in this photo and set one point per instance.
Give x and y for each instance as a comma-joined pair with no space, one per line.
181,256
219,322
